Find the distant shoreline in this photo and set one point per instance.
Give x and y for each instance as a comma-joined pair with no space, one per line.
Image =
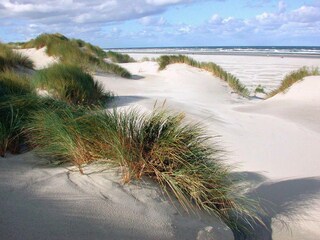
277,51
223,54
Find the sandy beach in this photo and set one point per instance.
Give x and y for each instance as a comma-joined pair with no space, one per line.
272,143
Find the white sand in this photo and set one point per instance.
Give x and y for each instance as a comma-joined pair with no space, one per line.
38,56
274,143
276,138
46,202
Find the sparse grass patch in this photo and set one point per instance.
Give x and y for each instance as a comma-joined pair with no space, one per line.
259,89
215,69
119,57
166,60
145,59
71,84
12,59
294,77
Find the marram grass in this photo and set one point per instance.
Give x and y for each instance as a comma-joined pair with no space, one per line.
10,125
12,83
71,84
12,59
213,68
76,52
294,77
119,57
178,156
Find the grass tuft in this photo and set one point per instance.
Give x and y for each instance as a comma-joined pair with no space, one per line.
294,77
178,156
12,83
10,125
213,68
119,57
12,59
71,84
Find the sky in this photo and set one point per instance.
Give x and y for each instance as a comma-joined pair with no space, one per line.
164,23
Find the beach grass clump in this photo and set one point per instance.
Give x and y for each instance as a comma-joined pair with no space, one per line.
119,57
166,60
232,80
145,59
10,126
213,68
65,136
12,83
180,157
12,59
15,112
89,48
71,84
76,52
294,77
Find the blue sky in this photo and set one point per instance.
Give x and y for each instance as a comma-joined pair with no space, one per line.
160,23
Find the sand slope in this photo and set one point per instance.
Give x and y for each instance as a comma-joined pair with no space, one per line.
46,202
274,143
279,154
38,56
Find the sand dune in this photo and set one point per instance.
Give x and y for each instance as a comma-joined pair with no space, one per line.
46,202
38,56
274,144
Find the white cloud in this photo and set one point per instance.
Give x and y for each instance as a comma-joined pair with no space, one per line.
303,20
153,21
84,11
62,15
282,6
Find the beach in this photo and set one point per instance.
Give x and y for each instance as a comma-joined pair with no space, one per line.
272,143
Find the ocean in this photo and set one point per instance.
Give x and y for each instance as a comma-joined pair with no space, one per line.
285,51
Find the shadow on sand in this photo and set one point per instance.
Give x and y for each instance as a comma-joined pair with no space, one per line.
104,74
122,101
286,198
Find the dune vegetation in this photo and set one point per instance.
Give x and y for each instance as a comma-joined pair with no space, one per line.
76,52
119,57
180,157
70,125
159,145
294,77
71,84
11,85
213,68
12,59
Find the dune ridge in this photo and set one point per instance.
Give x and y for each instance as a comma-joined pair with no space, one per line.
273,144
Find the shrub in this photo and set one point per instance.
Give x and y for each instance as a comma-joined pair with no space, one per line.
215,69
118,57
12,59
71,84
294,77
